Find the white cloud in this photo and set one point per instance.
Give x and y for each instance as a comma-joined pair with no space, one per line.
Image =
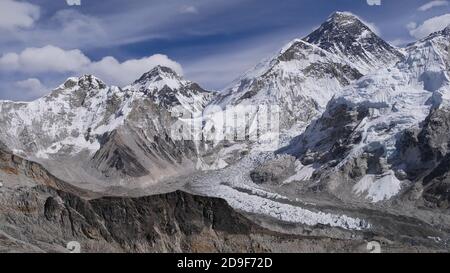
74,28
15,14
429,26
433,4
374,2
45,59
51,59
32,87
189,9
73,2
66,28
411,25
126,72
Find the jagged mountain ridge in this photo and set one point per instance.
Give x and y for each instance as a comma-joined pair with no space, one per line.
82,119
378,133
300,79
290,81
308,72
170,90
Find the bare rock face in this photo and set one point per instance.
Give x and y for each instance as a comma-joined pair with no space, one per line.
167,223
45,220
40,213
331,137
437,185
274,172
115,158
17,172
424,155
431,142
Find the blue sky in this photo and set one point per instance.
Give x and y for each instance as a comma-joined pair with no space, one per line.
208,41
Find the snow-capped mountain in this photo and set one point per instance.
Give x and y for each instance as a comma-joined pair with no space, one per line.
371,149
308,72
385,133
170,90
104,131
346,36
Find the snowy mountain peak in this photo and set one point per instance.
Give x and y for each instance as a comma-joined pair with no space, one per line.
344,17
340,25
160,78
87,82
158,73
345,35
369,126
170,90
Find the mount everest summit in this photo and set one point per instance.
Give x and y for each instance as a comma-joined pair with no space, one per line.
362,152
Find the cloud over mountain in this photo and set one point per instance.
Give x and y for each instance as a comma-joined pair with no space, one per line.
429,26
52,59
